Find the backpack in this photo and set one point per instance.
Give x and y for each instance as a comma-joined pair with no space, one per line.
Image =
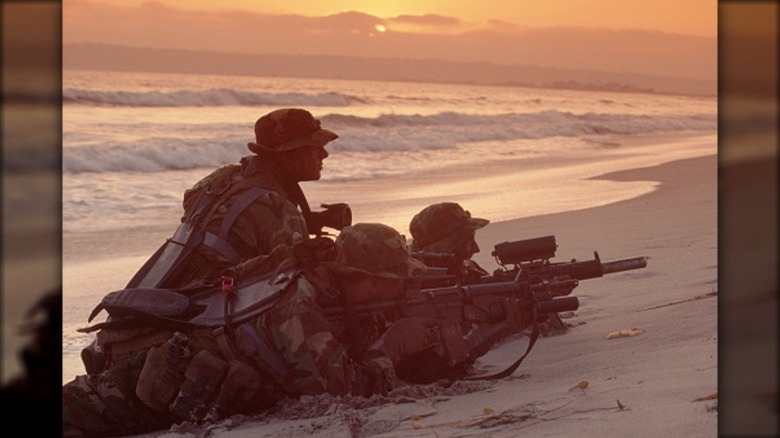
200,203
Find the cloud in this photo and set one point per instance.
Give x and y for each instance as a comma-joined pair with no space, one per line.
346,21
431,20
428,23
407,36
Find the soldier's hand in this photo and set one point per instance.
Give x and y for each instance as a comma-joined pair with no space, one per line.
406,337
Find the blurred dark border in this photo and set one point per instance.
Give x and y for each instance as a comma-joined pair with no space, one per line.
747,218
747,187
31,216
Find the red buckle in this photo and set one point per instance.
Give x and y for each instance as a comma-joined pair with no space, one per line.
227,284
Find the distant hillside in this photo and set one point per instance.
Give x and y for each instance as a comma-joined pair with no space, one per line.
88,56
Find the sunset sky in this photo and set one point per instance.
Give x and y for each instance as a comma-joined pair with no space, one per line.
661,37
692,17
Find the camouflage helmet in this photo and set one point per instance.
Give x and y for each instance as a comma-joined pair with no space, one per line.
442,221
288,128
375,249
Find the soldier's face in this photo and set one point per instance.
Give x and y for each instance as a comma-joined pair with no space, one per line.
467,247
305,164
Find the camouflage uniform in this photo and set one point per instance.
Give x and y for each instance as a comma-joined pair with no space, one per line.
318,350
443,228
311,347
272,219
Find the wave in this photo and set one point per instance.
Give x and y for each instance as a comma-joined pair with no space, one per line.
211,97
193,146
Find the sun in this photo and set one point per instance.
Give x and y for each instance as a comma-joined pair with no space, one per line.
380,28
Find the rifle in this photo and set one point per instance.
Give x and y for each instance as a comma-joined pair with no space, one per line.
475,316
530,260
438,265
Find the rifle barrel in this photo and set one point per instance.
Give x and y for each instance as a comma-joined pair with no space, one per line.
624,265
555,305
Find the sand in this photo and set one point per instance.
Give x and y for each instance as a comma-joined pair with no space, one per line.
660,382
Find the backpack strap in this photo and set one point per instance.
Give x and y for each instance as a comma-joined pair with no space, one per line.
220,242
191,233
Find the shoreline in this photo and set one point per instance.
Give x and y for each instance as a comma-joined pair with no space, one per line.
488,190
670,175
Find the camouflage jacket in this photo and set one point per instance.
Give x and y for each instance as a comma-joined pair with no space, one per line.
318,360
269,221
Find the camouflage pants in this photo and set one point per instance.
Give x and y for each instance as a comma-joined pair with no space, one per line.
106,405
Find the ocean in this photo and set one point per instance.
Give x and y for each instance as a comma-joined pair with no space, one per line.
133,142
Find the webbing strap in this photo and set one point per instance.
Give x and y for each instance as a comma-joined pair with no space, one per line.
512,368
222,246
220,243
243,202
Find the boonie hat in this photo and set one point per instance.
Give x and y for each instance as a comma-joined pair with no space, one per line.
375,249
440,221
288,128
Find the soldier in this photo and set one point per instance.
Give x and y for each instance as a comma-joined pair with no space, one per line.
447,228
251,207
239,211
290,349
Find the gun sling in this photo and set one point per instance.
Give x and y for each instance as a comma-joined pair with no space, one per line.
512,368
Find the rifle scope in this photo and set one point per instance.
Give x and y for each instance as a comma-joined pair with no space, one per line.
539,248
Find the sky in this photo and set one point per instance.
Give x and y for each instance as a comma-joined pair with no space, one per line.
660,37
690,17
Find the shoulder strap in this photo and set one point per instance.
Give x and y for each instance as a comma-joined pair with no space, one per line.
220,242
191,233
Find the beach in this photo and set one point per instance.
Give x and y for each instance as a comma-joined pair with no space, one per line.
663,381
576,164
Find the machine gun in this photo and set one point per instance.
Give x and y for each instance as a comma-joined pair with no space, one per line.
529,260
528,288
473,317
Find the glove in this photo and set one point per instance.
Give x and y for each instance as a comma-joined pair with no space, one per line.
407,337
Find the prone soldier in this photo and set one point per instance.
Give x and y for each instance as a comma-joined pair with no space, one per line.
447,229
194,369
444,237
